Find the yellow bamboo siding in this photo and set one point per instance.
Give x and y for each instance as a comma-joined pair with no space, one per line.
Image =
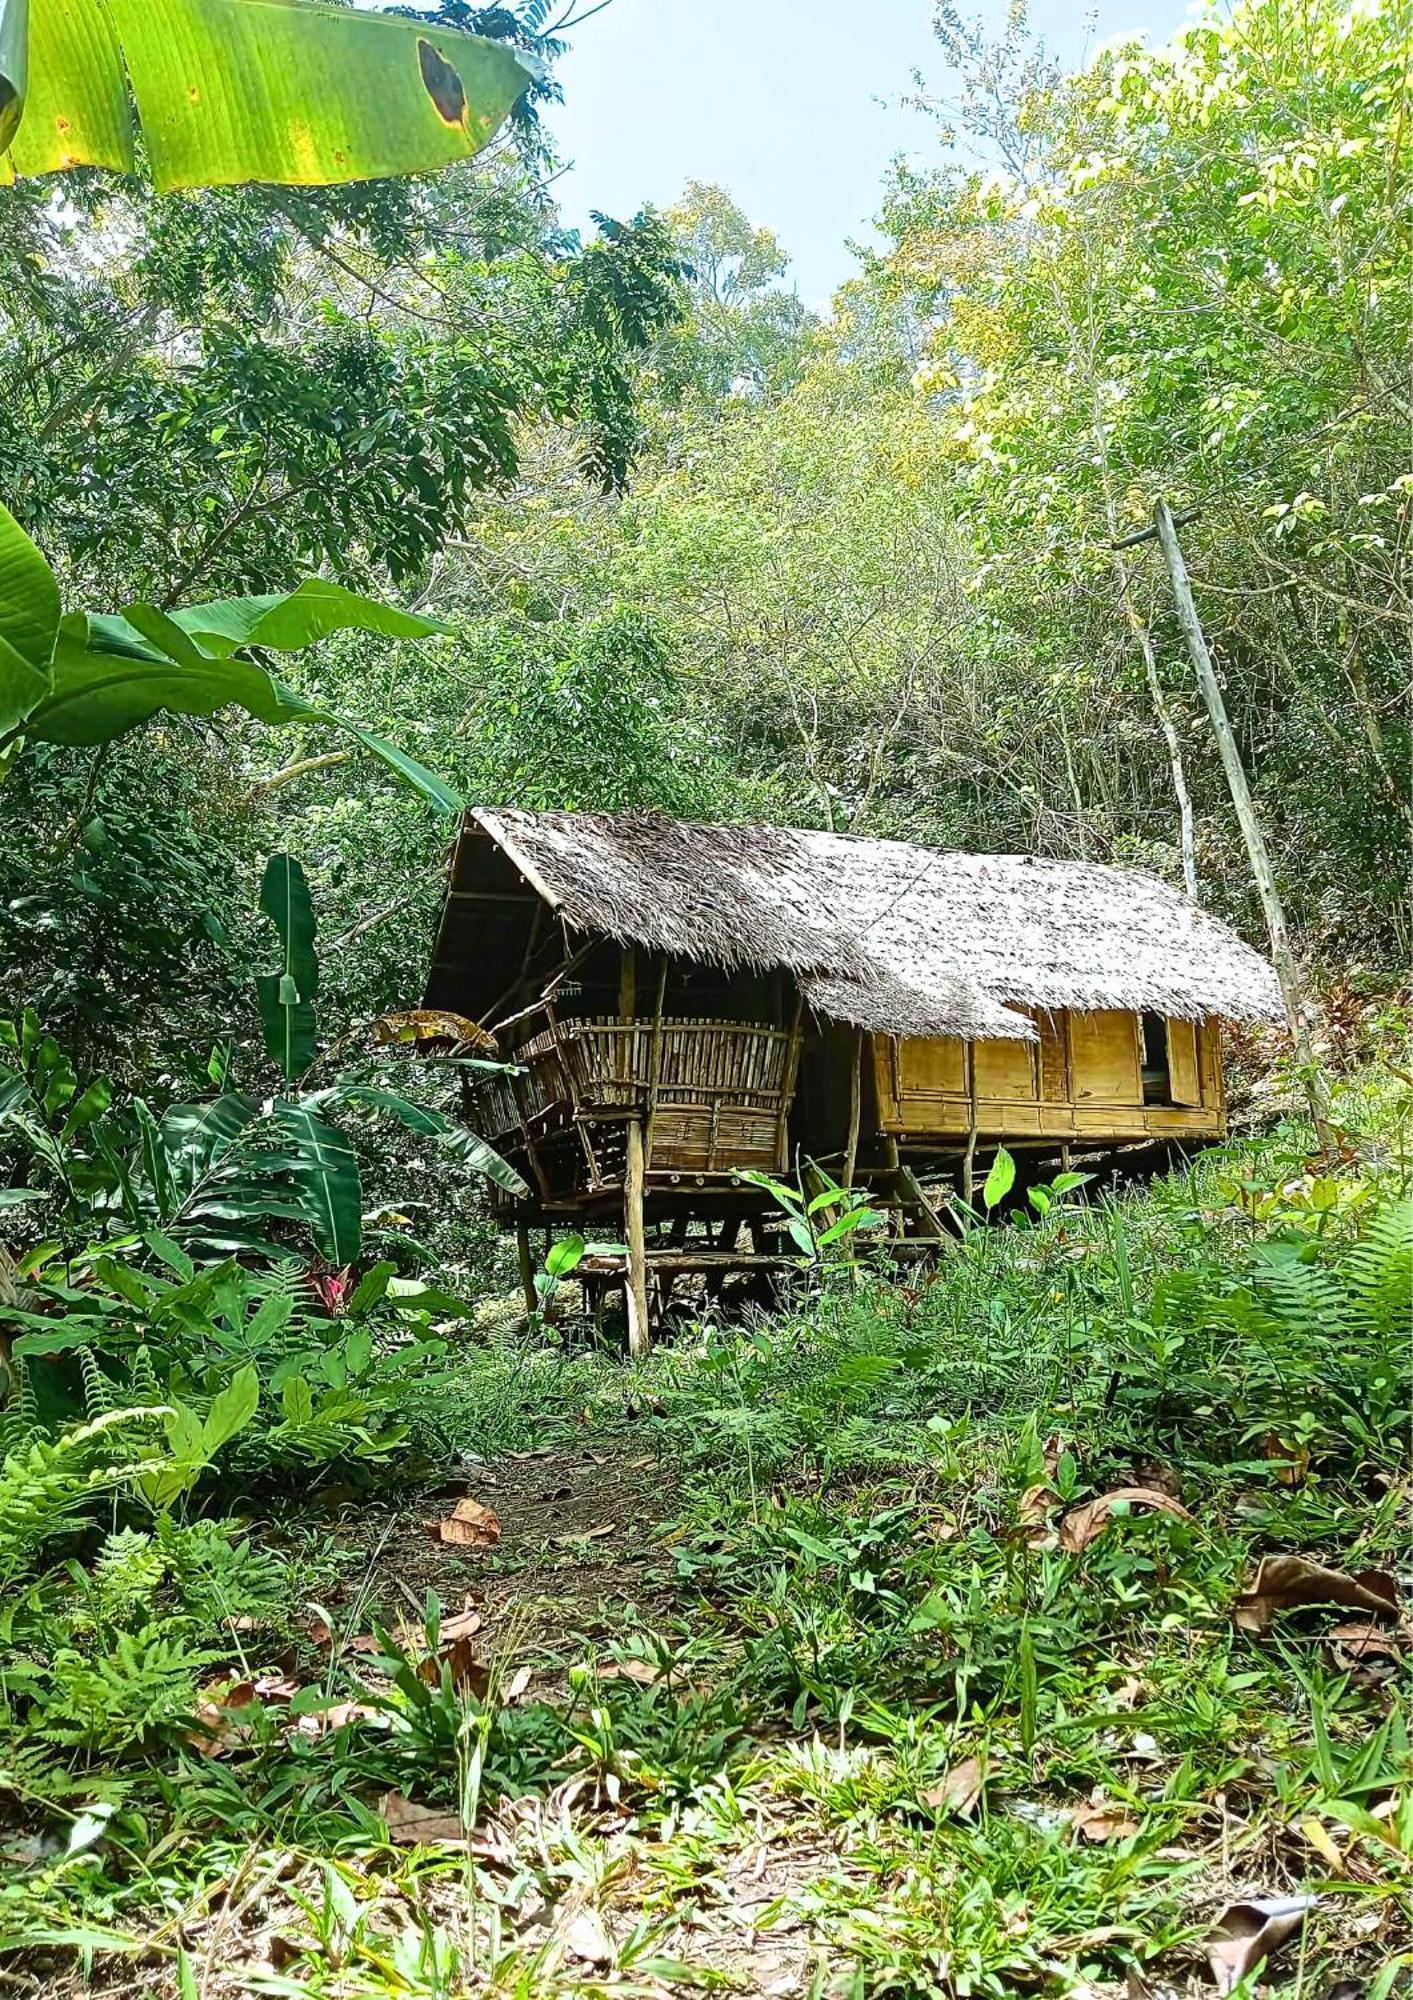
1082,1079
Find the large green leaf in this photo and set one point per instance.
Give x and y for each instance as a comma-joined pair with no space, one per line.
244,90
197,1136
112,673
287,996
232,1410
442,796
29,603
98,693
299,618
482,1158
328,1182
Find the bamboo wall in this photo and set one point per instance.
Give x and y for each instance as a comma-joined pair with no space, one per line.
1082,1079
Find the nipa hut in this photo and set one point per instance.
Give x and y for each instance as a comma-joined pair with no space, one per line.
682,1002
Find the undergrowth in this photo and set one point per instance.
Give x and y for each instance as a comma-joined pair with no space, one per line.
966,1748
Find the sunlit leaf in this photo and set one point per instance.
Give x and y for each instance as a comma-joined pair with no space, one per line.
29,607
225,91
1000,1180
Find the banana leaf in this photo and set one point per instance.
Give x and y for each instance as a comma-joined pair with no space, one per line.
225,91
287,997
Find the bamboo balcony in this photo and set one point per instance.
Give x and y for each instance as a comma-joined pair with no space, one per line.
712,1095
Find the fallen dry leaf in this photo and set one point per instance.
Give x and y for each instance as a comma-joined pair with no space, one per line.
641,1671
516,1685
1292,1461
959,1790
1246,1934
583,1535
1082,1524
413,1825
461,1625
584,1935
1285,1583
468,1525
1366,1645
1101,1823
319,1721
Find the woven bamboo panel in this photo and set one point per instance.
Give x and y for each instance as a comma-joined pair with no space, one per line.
713,1138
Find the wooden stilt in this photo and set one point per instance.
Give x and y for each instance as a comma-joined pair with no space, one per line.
527,1266
969,1156
636,1287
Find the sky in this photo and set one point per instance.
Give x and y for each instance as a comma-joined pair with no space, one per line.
791,105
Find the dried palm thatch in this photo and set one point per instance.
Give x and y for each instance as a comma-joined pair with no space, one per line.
896,938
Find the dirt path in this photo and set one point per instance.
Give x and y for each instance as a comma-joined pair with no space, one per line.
577,1549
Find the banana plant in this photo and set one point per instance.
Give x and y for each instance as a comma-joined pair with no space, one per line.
209,1174
224,91
83,679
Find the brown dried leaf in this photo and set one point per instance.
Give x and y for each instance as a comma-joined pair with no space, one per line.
1292,1461
320,1721
433,1024
468,1525
413,1825
1035,1505
641,1671
1083,1524
1099,1824
1285,1583
959,1790
215,1716
1246,1934
1366,1646
461,1625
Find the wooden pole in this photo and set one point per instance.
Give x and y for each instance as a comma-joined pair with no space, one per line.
969,1156
851,1151
527,1266
636,1287
1282,956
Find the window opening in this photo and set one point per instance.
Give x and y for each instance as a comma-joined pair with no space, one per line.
1157,1075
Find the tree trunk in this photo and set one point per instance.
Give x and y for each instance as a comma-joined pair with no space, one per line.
1281,955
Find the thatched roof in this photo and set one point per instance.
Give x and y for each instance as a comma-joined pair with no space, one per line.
896,938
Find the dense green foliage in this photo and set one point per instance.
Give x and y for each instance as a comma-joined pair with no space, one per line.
638,531
862,1589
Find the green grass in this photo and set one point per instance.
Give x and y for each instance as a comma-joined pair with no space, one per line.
858,1590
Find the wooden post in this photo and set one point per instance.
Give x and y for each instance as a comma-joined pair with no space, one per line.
636,1287
969,1156
627,1009
527,1266
1281,955
851,1151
